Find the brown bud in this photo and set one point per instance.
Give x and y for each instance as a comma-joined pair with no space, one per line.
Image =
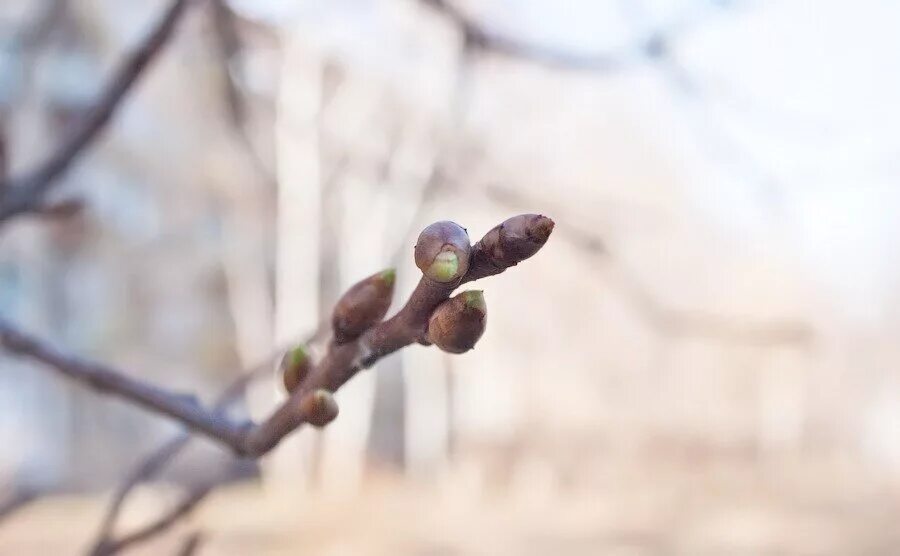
66,208
442,251
318,408
363,306
516,239
458,323
294,368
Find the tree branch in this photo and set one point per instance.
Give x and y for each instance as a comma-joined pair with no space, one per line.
153,464
17,500
503,247
187,505
479,37
21,195
191,544
107,380
495,253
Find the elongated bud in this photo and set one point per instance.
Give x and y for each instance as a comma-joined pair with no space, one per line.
517,238
363,306
442,251
294,368
458,323
318,408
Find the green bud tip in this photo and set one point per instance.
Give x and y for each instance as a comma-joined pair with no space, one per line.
298,356
444,267
475,299
388,276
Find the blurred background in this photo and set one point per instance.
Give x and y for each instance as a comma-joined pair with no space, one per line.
702,360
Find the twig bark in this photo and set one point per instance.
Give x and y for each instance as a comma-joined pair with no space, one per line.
22,194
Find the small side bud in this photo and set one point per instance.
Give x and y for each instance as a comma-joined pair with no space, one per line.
363,306
458,323
442,251
318,408
67,208
294,368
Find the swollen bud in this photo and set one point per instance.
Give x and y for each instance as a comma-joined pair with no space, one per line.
318,408
442,251
294,368
458,323
363,306
516,239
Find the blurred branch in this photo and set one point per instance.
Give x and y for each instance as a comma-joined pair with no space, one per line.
33,34
105,379
153,464
480,37
163,523
665,320
20,195
191,544
229,48
159,458
16,501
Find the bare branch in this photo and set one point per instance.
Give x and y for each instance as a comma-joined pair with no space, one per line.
479,37
191,544
164,522
20,195
153,464
16,501
105,379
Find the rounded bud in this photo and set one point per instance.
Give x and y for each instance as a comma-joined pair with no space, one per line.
442,251
458,323
363,306
318,408
294,367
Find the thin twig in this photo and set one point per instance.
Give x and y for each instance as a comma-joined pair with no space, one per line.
162,523
105,379
480,37
153,464
21,194
16,501
228,49
191,544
